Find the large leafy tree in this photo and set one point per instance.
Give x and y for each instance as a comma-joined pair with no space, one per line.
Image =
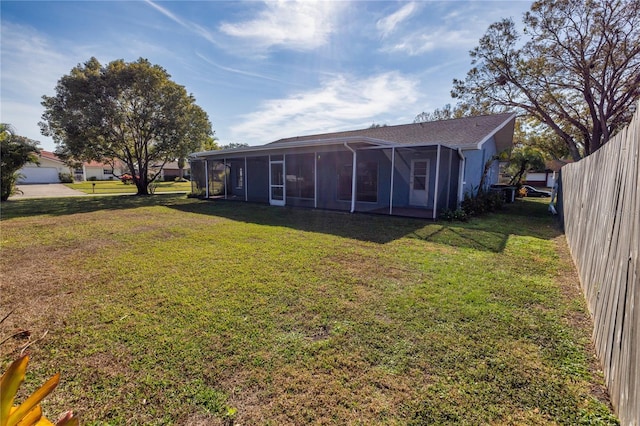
578,73
523,159
130,112
15,152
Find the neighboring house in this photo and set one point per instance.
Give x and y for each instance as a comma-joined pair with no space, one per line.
48,171
95,170
170,171
547,177
410,170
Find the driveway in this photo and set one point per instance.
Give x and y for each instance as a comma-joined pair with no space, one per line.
48,190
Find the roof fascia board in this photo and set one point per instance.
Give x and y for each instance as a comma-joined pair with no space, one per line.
496,130
290,145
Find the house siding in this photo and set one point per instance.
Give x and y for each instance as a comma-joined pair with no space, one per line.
474,166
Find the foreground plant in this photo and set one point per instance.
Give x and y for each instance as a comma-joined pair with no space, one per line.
29,412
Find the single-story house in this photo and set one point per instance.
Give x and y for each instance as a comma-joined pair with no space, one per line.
48,171
96,170
415,169
546,177
171,171
51,167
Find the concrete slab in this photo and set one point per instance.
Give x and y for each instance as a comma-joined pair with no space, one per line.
48,190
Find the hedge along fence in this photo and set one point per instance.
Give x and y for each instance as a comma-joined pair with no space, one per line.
600,208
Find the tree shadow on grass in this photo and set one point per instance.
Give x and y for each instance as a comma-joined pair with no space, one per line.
71,205
487,233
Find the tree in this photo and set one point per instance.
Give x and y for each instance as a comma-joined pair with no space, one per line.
578,74
127,111
233,145
211,143
524,159
447,112
15,152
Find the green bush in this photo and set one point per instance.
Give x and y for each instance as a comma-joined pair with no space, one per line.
65,177
92,179
451,215
482,202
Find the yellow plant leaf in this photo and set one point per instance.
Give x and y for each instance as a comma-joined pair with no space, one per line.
32,416
43,422
9,384
33,400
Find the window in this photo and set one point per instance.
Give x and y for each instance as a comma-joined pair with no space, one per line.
239,178
300,180
366,182
107,171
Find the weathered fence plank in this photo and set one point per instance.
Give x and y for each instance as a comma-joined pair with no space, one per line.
600,209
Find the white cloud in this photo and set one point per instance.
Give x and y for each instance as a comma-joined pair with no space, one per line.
31,67
297,25
191,26
442,38
388,24
29,62
452,26
343,102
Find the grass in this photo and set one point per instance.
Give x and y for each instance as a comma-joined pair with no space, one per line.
169,310
117,187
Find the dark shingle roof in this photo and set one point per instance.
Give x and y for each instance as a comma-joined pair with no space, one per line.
464,133
460,133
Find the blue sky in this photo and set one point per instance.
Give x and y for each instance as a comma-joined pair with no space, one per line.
261,70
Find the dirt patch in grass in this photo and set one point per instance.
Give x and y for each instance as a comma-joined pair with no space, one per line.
39,285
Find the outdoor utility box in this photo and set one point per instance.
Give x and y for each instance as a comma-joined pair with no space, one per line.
508,192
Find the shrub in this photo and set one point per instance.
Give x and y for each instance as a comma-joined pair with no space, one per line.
482,202
152,187
65,177
451,215
126,178
92,179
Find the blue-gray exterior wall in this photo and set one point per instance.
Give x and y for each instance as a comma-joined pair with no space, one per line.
328,164
474,167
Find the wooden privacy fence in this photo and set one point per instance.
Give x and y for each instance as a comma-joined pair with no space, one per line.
600,208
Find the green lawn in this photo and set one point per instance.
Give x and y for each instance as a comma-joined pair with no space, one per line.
165,310
117,187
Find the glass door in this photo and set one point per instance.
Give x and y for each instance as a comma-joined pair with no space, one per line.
276,181
419,183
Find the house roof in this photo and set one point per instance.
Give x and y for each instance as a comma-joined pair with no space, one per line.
464,133
460,133
50,156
